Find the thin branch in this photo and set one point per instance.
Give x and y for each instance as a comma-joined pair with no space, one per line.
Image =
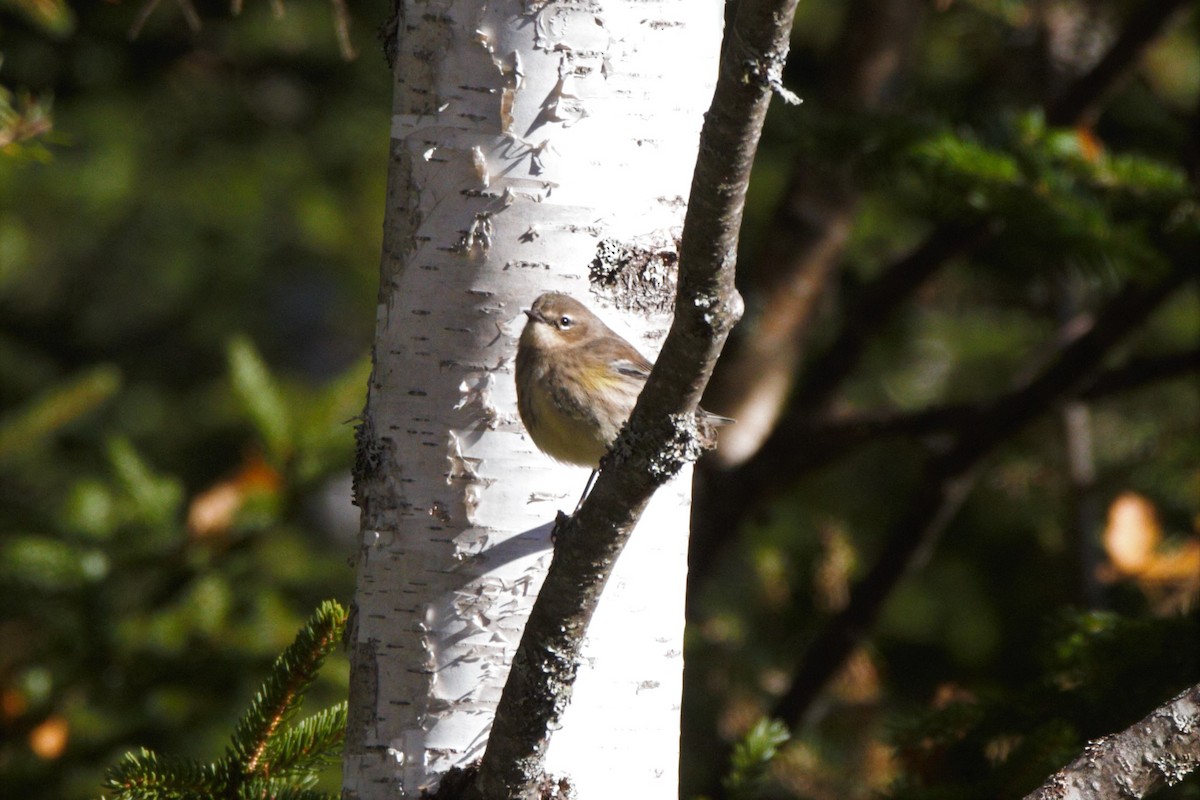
661,435
742,488
796,263
840,436
949,476
1080,102
716,517
1158,751
867,316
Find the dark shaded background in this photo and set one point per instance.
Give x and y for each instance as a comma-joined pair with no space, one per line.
911,571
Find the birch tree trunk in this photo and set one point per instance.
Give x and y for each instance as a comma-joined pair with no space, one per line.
536,146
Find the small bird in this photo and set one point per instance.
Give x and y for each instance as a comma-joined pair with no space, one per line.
577,381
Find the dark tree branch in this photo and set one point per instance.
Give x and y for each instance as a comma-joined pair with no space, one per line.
1158,751
1141,372
867,316
742,487
716,518
661,434
948,477
1081,101
839,436
797,260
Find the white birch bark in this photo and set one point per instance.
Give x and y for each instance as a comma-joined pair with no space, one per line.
536,146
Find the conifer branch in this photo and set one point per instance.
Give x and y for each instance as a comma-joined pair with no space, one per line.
267,756
310,744
278,701
145,775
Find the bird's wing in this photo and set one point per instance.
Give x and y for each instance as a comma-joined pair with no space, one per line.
631,368
624,358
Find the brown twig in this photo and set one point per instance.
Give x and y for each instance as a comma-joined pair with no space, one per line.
657,440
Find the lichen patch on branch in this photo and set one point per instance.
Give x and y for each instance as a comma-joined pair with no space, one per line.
687,440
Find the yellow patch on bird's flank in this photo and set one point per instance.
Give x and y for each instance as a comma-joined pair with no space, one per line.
558,435
599,380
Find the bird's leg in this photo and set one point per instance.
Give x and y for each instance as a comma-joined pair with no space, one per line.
560,522
586,488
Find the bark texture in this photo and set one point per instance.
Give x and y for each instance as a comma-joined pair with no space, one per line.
1158,751
535,146
661,436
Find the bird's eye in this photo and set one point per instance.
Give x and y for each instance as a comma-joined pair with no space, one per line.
565,322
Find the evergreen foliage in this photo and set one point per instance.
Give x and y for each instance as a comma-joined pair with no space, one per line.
1064,213
188,283
270,755
752,758
184,260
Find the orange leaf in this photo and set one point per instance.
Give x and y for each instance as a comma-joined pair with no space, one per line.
1132,534
49,740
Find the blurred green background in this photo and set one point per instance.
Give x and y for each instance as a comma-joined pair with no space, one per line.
188,267
188,262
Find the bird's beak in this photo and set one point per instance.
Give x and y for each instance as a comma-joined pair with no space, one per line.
533,315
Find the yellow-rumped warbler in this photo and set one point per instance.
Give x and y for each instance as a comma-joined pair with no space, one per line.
577,380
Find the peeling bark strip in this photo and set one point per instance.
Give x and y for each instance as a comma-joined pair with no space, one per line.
1159,751
525,134
661,432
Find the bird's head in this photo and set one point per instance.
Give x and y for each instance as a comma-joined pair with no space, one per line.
559,320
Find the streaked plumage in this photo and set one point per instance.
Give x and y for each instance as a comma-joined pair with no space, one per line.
577,380
566,359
